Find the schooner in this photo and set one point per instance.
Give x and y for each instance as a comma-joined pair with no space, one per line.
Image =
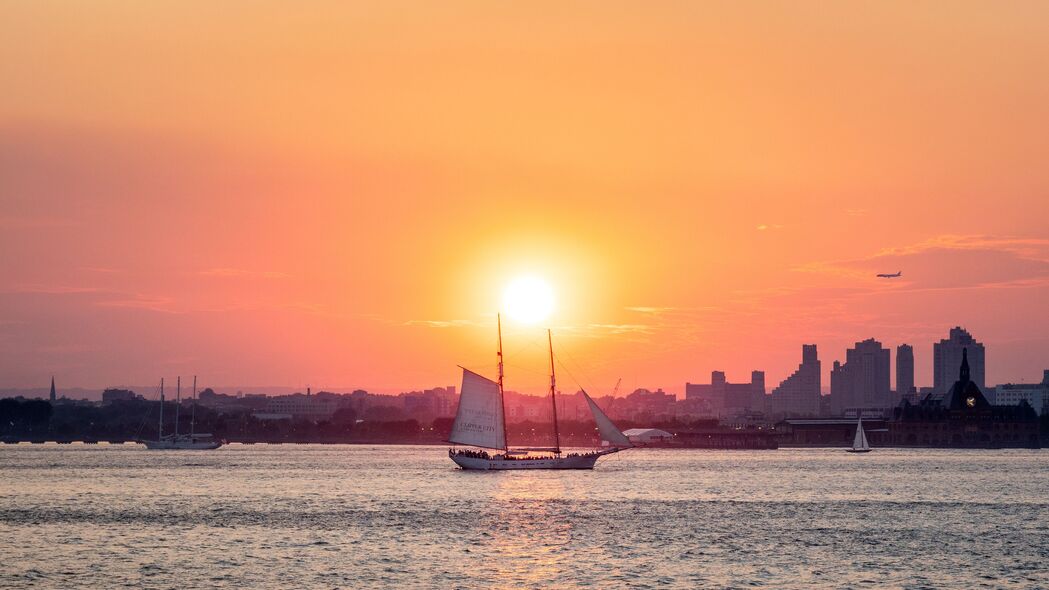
194,441
480,421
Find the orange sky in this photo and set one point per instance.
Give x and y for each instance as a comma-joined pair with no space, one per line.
337,196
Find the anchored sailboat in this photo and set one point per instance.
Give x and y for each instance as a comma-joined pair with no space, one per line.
176,441
860,444
481,422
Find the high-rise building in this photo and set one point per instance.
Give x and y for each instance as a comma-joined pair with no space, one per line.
904,371
53,393
757,391
947,360
862,383
721,396
799,394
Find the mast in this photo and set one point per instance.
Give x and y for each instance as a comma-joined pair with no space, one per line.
502,400
160,426
553,393
178,401
193,410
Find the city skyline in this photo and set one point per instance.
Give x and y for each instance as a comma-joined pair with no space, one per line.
887,380
342,197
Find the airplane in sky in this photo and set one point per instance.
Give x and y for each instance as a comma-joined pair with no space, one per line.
898,274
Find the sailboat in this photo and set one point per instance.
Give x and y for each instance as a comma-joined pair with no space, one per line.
193,441
480,421
860,444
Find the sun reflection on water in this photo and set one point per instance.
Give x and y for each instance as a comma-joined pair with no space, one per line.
529,539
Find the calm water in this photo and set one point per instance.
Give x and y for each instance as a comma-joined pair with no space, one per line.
357,516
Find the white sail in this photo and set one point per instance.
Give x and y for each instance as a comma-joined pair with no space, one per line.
860,442
605,427
479,421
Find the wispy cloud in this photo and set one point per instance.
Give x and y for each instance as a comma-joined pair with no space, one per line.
141,301
103,297
1036,248
650,310
67,348
616,329
244,274
54,289
676,311
948,261
768,226
442,323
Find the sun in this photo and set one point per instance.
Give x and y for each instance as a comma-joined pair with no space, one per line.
528,300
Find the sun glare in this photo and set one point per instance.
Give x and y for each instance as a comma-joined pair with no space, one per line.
528,300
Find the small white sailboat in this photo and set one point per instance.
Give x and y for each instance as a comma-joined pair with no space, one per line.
859,443
480,421
193,441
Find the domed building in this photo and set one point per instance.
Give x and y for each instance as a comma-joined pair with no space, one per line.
963,418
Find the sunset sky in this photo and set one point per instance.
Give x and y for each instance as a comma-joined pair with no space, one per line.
339,196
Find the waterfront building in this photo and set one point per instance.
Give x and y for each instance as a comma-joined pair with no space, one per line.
647,436
905,372
53,395
963,417
947,359
862,383
431,403
1034,394
644,405
799,394
830,432
520,412
727,398
299,406
119,395
695,408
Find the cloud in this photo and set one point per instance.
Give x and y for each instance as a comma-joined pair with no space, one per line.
676,311
104,297
141,301
442,323
1037,248
650,310
592,330
244,274
54,289
949,261
615,329
98,297
68,348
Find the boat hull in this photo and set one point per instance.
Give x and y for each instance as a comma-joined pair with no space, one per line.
858,450
182,445
498,463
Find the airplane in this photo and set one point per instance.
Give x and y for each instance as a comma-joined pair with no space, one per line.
898,274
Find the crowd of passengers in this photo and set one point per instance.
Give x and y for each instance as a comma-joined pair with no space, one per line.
469,453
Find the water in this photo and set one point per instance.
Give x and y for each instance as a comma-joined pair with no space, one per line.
358,516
